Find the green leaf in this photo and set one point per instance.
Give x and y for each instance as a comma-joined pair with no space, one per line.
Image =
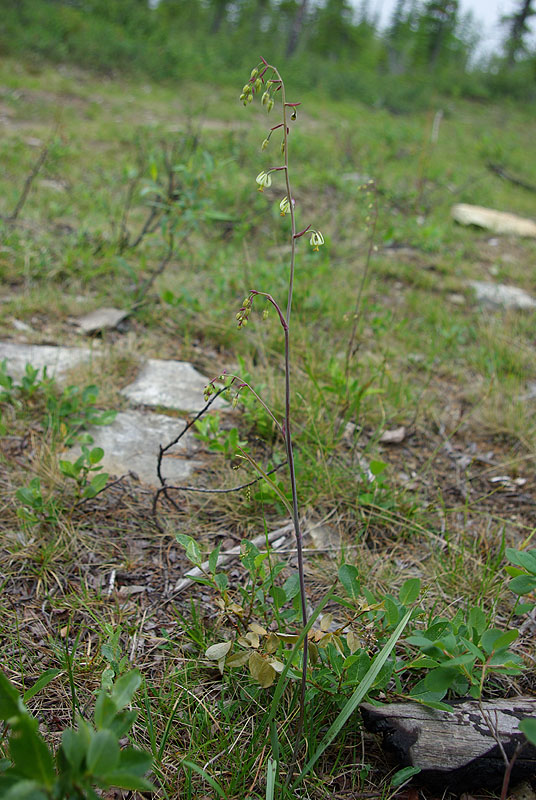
68,469
422,662
377,467
404,775
105,710
505,640
122,723
291,587
96,455
126,780
11,704
98,482
440,679
349,577
41,682
222,581
523,584
528,727
73,746
409,591
213,559
135,761
193,552
489,638
24,790
103,753
391,610
125,688
106,418
522,558
32,758
477,620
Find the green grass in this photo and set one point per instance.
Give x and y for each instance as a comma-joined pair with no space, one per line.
427,358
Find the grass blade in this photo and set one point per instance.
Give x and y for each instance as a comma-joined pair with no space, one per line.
271,772
214,783
356,698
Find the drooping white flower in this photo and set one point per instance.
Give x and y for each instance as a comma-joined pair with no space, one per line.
284,206
264,179
316,240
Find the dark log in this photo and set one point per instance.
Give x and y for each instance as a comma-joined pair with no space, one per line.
457,750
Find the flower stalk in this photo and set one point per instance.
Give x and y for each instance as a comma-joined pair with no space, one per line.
287,206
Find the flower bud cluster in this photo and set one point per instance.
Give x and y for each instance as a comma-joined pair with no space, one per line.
244,312
209,390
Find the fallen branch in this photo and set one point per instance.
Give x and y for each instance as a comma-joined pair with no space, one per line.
507,176
457,749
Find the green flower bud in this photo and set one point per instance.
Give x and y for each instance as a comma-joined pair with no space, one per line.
246,89
258,84
265,98
270,105
254,73
265,144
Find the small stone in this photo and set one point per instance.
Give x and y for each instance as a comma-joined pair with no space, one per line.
498,295
496,221
170,384
395,436
101,319
131,444
19,325
57,360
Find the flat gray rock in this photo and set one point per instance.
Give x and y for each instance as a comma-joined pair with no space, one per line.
57,360
131,444
100,320
169,384
498,295
491,220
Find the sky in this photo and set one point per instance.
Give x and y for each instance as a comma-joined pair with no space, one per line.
487,13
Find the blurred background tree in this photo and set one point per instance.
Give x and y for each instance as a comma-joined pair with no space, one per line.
427,47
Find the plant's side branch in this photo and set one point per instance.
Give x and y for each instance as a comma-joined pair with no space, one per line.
146,285
203,490
28,183
350,350
163,450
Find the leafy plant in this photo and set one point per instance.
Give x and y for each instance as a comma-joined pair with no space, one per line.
34,507
227,442
85,471
524,576
89,758
73,411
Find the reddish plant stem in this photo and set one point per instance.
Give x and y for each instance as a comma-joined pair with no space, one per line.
288,432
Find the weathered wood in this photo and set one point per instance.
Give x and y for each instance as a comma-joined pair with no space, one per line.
457,749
